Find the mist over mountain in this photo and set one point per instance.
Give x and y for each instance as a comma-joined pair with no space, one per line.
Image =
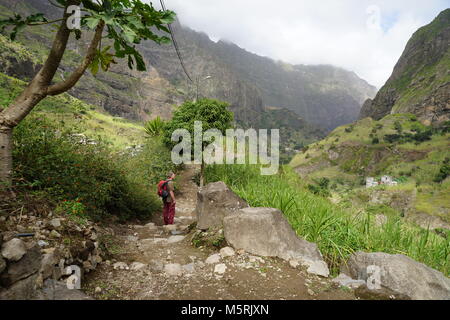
324,96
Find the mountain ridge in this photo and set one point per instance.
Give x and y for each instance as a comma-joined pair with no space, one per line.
420,81
323,96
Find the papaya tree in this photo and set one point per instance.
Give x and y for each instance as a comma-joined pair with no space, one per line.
121,24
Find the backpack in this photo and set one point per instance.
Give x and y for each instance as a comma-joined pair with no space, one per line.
162,189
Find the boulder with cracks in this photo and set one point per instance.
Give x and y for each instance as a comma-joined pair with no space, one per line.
266,232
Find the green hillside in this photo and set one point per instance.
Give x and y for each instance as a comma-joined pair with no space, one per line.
398,145
90,120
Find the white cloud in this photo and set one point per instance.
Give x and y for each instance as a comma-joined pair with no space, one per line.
344,33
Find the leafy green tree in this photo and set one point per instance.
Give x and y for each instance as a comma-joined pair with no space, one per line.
125,24
213,114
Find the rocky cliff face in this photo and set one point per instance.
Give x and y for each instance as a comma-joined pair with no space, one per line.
420,82
322,95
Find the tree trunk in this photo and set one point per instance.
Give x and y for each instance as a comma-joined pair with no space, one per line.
39,88
5,157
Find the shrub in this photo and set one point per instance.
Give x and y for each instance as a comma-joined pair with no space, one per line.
49,159
444,171
398,127
155,127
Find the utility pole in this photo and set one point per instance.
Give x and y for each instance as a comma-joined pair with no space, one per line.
198,86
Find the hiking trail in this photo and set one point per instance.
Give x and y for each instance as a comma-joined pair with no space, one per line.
154,263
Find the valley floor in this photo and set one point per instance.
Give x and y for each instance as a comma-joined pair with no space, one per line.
156,251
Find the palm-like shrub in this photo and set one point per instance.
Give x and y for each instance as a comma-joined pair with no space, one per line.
155,127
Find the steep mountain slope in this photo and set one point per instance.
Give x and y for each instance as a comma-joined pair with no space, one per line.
322,95
404,132
397,145
420,82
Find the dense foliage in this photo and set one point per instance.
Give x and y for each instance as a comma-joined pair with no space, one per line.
67,168
213,114
127,24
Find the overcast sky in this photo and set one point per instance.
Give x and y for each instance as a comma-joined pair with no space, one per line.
366,37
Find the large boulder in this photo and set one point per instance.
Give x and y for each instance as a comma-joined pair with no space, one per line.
214,202
399,274
266,232
57,290
22,290
25,267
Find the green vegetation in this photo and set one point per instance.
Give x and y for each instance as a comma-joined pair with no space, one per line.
155,127
397,145
444,171
71,112
338,231
54,160
213,115
72,155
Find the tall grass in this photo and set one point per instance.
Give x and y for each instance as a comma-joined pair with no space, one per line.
337,231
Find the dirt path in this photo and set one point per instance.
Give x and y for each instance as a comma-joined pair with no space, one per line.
150,252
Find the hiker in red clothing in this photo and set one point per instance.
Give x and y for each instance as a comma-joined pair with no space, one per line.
165,191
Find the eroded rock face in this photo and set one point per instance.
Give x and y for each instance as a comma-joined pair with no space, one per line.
50,261
25,267
266,232
21,290
214,202
400,274
57,290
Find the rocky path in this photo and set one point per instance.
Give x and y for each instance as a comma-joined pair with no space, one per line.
156,262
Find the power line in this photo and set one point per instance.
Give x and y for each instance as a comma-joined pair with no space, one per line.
177,49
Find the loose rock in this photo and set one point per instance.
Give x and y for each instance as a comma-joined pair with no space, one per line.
175,239
136,266
213,259
173,269
25,267
55,223
227,252
14,250
220,268
55,234
120,266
